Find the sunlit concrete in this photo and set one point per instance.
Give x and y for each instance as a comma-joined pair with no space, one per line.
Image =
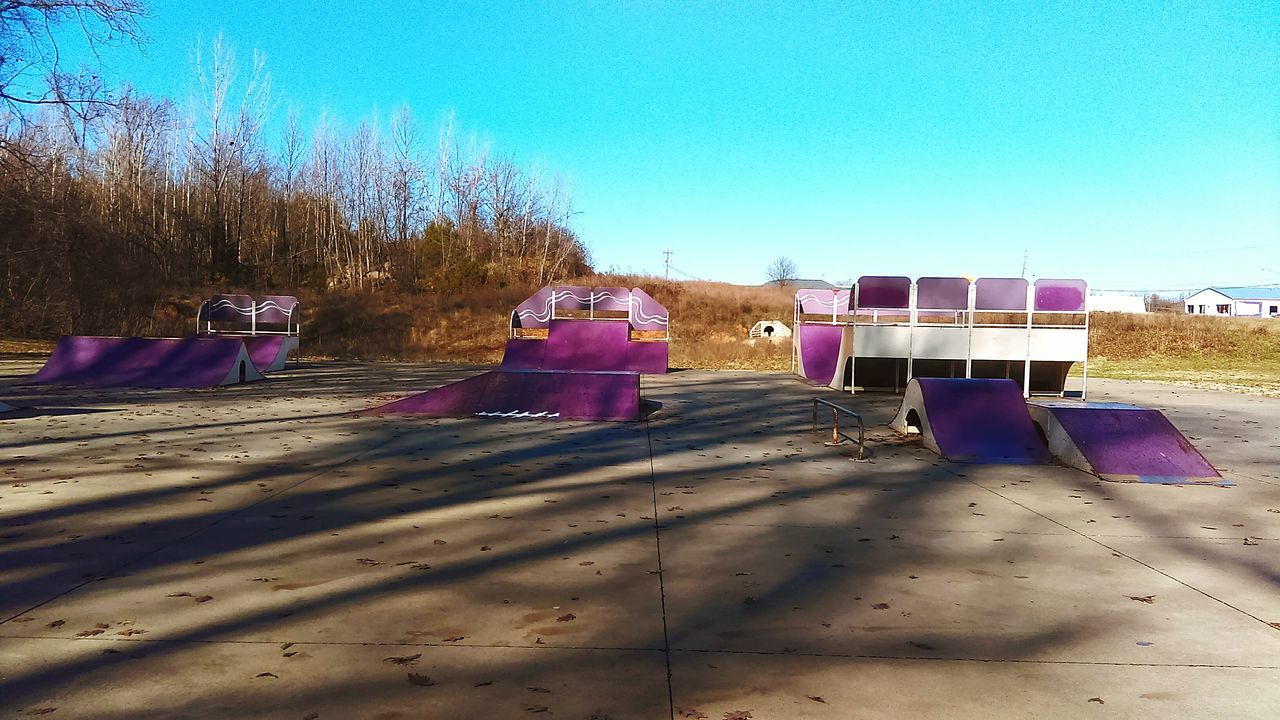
264,551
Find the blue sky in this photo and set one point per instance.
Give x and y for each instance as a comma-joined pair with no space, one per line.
1134,145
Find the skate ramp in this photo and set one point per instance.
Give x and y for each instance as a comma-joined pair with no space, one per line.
819,351
590,345
1122,443
971,420
270,352
548,394
194,362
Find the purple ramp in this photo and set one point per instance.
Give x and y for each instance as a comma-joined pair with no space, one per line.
587,345
524,354
819,351
544,394
648,357
980,421
1124,443
270,352
192,362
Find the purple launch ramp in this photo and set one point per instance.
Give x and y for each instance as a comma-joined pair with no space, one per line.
978,421
1121,443
818,349
550,394
193,362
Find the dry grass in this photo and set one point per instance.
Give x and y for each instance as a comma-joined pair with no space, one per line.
710,323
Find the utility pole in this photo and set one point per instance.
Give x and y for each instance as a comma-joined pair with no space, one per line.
668,263
1025,254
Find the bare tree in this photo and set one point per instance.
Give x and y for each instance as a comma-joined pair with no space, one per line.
31,72
781,272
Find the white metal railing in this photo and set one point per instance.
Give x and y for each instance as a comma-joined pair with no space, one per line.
293,322
635,310
897,333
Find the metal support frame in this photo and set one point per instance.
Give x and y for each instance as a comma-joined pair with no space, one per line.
838,437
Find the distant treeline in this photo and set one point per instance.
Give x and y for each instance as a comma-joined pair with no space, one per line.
106,206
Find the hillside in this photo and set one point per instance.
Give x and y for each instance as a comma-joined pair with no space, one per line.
709,329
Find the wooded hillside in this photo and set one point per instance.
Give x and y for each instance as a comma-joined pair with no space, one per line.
106,207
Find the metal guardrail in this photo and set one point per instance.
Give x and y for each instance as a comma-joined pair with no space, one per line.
837,437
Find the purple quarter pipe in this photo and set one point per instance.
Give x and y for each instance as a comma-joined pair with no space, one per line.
193,362
550,394
820,351
591,345
979,421
1123,443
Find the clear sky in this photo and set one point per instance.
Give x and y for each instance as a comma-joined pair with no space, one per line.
1136,145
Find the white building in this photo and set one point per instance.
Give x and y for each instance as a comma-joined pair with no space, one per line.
1101,301
1235,301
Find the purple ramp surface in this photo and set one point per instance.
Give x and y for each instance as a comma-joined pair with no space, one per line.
647,357
265,350
531,393
587,345
819,348
147,362
524,354
983,421
1136,441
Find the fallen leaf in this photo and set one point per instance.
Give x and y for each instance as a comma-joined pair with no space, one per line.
403,659
486,683
1098,700
267,674
420,680
89,633
568,617
880,606
41,711
1148,599
204,598
690,713
538,690
816,698
738,715
536,708
455,638
57,623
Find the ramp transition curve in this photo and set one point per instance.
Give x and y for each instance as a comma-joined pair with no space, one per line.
971,420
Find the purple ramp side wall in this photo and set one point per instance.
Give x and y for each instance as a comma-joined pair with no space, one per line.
647,357
611,396
996,294
534,312
587,345
1060,295
265,351
1136,441
819,351
983,421
192,362
524,354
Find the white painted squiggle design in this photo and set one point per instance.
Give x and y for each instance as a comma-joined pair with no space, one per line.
519,414
839,299
635,307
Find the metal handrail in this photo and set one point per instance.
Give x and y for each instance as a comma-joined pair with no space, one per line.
837,437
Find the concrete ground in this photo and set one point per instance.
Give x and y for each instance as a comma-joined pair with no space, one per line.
260,551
